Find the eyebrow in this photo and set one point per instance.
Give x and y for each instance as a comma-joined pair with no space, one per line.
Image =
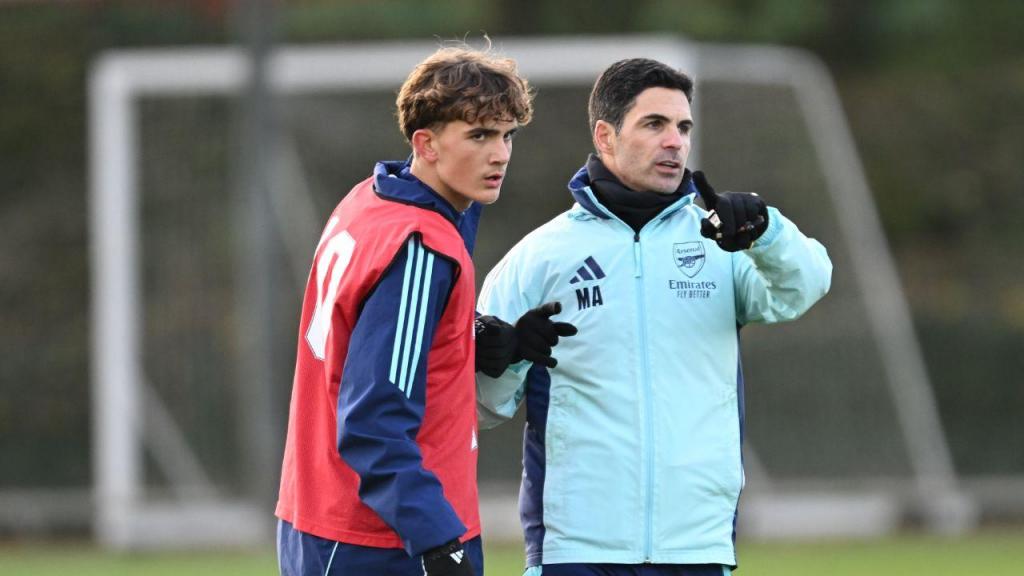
663,118
490,131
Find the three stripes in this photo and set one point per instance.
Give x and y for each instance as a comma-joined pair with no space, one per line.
412,315
583,274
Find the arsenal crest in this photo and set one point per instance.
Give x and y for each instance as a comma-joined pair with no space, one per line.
689,257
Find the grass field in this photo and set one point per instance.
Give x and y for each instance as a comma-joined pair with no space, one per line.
985,554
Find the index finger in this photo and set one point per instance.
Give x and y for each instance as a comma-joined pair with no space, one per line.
707,193
550,309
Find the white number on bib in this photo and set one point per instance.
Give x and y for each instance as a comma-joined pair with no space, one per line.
334,259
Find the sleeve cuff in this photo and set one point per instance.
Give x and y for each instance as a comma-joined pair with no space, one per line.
519,368
774,229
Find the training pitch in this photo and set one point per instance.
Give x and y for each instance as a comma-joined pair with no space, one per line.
990,552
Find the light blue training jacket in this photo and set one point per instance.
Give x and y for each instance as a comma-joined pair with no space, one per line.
631,451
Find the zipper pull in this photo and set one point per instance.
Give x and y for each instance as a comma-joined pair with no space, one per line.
638,268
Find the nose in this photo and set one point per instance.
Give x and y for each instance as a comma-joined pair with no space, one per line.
674,139
502,152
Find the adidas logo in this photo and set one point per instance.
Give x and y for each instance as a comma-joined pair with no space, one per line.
589,271
588,296
457,556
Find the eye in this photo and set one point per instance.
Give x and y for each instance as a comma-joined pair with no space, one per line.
478,136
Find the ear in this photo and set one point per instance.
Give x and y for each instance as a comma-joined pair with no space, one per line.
424,144
604,138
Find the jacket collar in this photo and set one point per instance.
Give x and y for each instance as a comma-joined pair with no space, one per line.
392,180
579,186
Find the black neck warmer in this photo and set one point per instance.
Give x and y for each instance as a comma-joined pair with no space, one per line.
635,208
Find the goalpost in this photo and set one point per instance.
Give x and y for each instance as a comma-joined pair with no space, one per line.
845,437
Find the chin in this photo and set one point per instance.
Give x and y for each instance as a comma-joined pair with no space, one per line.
487,197
663,187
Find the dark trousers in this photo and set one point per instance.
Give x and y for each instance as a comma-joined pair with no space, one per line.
302,554
630,570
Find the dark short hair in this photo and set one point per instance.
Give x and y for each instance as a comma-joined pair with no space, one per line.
461,83
615,91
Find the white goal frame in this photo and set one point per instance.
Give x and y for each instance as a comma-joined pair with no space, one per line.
124,519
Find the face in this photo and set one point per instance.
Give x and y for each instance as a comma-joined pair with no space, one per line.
465,162
649,152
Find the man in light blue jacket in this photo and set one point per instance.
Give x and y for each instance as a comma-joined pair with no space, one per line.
632,442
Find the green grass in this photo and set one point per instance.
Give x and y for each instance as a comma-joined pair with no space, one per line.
982,554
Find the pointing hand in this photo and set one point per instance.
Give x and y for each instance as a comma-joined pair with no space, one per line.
735,220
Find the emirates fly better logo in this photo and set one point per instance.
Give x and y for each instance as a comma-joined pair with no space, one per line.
690,258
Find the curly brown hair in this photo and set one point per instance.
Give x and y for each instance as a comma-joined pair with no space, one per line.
462,83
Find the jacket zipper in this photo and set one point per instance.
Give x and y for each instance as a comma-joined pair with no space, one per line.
638,271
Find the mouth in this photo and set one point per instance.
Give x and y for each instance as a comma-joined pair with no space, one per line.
494,180
668,168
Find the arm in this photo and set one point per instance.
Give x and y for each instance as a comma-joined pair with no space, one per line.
383,394
778,273
497,398
500,384
781,275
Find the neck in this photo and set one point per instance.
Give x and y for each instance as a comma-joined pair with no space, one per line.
426,173
636,209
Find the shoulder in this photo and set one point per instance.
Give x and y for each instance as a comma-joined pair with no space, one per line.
563,229
541,250
387,223
537,246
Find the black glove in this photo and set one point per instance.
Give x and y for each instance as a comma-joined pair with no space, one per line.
536,334
736,218
447,560
495,345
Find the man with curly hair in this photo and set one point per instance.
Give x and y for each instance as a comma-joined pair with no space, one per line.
379,473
